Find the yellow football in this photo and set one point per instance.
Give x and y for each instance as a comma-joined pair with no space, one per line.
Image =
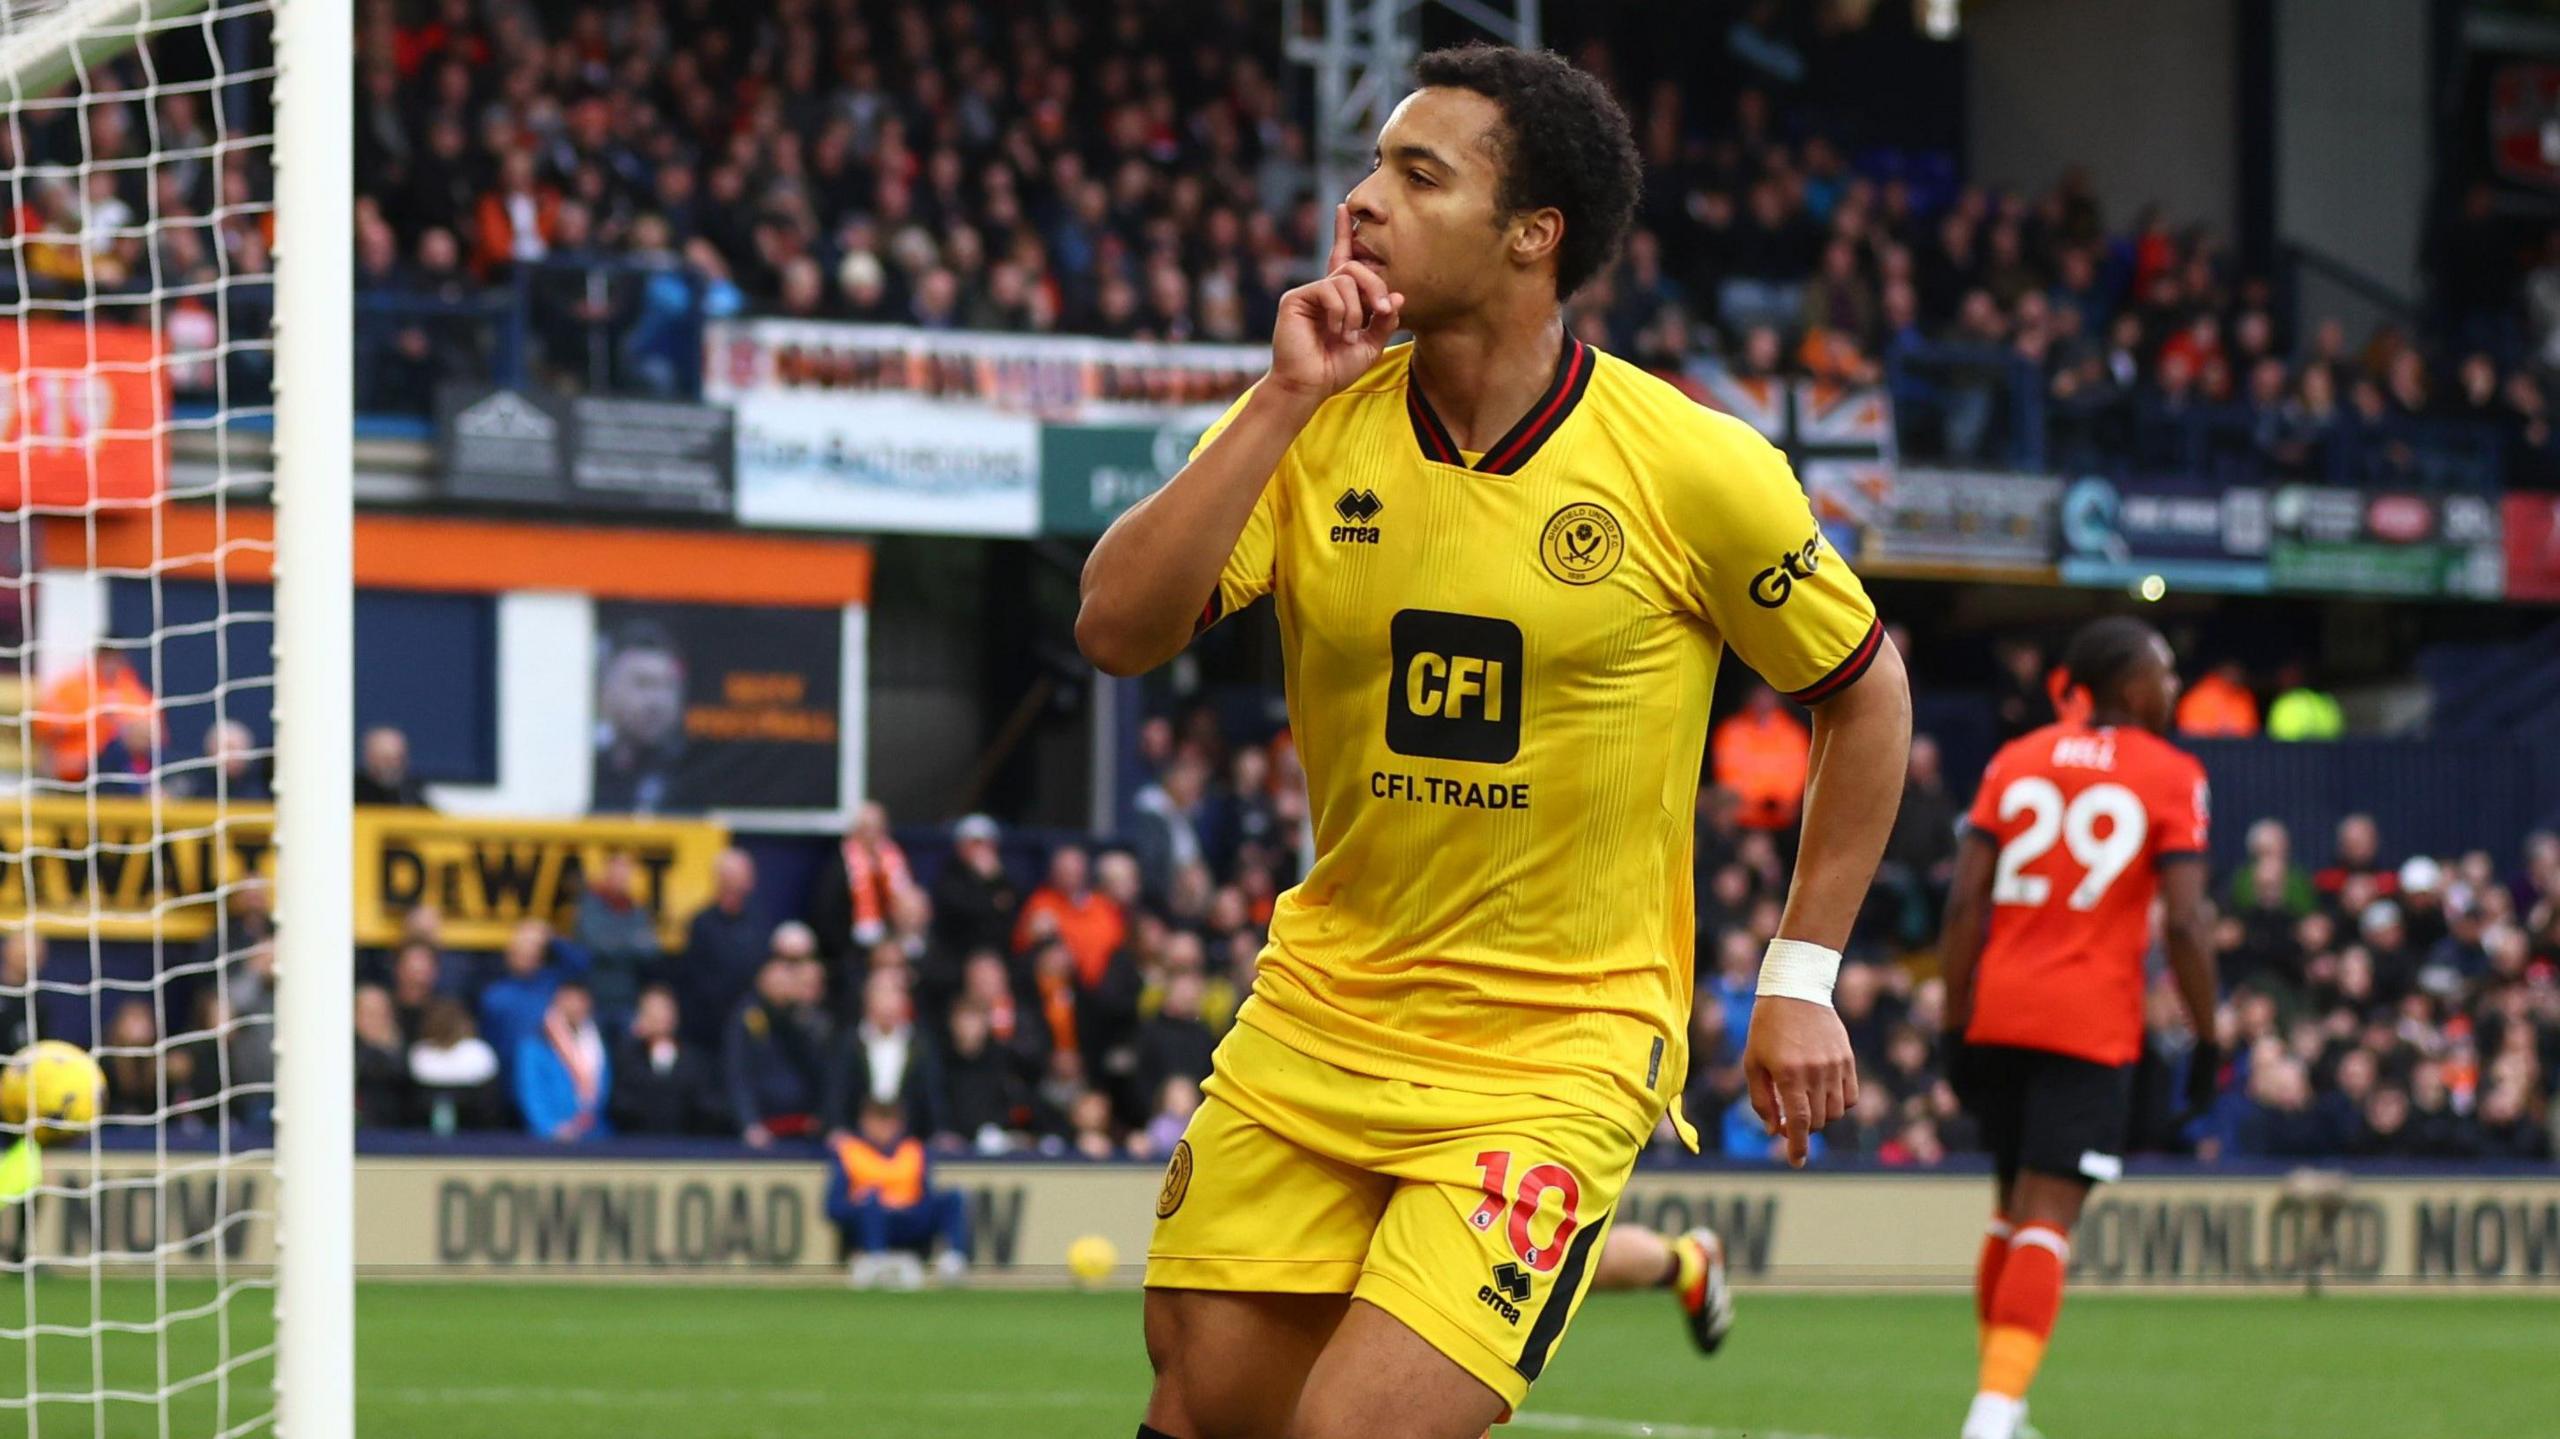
1091,1260
52,1089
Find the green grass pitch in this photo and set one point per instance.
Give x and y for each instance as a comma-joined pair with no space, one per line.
461,1360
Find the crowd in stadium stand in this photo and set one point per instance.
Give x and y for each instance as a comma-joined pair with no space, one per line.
1134,171
1117,170
2384,1006
1137,170
2137,347
1075,1015
147,207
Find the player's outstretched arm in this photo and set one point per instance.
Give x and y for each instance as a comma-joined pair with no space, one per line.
1797,1058
1154,569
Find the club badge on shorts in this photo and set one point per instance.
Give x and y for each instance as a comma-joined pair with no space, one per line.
1177,1180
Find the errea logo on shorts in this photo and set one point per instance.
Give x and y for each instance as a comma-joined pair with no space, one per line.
1508,1291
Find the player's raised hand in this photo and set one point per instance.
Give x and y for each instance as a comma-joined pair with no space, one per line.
1330,331
1801,1071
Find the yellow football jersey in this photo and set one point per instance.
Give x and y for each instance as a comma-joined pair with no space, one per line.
1499,669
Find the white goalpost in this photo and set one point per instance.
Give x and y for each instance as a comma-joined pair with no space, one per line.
315,716
176,331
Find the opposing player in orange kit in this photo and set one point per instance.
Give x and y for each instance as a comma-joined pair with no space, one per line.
2076,828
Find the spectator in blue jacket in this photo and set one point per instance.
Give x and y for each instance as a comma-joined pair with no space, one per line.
513,1004
562,1075
2273,1113
775,1053
725,944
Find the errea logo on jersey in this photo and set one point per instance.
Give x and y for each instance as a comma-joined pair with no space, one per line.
1357,508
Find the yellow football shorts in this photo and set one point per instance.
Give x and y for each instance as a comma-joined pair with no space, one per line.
1474,1219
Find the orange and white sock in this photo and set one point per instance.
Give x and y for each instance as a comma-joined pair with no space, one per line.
2023,1306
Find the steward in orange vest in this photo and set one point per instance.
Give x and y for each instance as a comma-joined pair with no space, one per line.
2219,706
882,1199
1763,755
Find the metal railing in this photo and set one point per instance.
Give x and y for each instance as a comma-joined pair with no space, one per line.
590,326
1983,405
625,327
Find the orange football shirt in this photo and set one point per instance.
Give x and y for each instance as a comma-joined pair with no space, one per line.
2082,816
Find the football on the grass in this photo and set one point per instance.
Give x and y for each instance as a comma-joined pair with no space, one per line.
1091,1260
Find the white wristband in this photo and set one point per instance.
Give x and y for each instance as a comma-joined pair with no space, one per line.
1793,969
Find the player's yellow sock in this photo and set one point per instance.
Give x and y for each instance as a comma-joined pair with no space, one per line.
1688,1265
2029,1299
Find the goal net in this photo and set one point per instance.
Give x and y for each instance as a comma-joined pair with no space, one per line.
174,684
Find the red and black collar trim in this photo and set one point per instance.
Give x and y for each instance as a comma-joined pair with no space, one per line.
1506,455
1427,429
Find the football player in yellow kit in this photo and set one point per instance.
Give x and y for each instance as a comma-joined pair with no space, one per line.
1505,566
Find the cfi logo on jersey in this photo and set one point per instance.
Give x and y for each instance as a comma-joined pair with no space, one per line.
1357,508
1456,691
1582,544
1771,587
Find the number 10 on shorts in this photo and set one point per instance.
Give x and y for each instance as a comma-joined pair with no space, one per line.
1522,1206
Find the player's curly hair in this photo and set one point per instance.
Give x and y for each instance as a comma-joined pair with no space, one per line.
2105,651
1567,145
